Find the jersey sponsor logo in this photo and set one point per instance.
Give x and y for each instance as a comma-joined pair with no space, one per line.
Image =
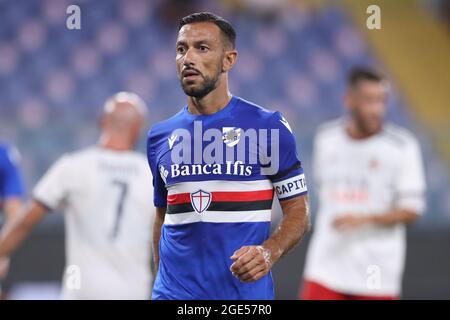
237,168
252,146
200,200
13,155
291,187
231,136
348,189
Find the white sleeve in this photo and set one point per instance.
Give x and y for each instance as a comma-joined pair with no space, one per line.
410,183
52,188
316,160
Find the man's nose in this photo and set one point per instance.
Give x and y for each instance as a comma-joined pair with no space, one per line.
189,58
377,109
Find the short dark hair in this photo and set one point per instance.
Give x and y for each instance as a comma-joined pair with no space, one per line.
357,74
227,29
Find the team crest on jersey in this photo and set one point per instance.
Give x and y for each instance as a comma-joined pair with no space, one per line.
231,136
200,200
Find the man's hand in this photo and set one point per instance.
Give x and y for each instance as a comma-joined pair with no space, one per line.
251,263
350,221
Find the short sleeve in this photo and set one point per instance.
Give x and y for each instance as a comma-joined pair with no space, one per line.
159,186
317,160
409,182
288,178
52,188
11,179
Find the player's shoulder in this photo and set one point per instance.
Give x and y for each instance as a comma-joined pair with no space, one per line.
162,128
398,135
330,128
4,147
75,156
3,154
9,153
97,151
137,157
88,155
80,156
257,112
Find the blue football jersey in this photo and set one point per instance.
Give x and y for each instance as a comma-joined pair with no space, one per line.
217,175
10,179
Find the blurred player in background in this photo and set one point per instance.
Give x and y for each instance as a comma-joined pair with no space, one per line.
105,192
212,230
11,193
371,184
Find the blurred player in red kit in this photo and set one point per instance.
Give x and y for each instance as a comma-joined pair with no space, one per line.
370,181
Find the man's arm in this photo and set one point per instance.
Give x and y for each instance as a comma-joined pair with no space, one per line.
293,226
12,207
254,262
394,217
157,225
351,220
17,229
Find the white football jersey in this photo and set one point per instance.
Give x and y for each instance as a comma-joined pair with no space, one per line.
370,176
106,197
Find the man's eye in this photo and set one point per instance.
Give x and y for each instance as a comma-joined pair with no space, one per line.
180,50
204,48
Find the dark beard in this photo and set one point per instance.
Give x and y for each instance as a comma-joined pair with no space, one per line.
363,127
209,85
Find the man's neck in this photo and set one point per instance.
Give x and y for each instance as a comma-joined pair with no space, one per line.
211,103
357,133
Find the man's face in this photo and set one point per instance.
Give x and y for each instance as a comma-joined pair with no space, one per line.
367,104
200,53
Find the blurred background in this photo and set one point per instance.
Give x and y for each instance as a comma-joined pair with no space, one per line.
293,57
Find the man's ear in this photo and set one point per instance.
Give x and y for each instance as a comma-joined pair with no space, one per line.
229,59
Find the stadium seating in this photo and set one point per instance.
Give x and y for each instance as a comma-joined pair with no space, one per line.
53,81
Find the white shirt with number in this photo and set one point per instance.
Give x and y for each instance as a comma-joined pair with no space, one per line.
369,177
106,197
